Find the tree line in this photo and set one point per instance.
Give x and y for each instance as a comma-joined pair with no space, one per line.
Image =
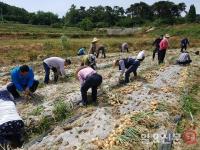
162,12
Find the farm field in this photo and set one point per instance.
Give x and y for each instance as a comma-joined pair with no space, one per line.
158,102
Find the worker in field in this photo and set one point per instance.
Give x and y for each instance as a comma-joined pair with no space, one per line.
164,45
124,47
184,58
57,65
184,44
81,51
96,49
89,60
88,78
11,124
23,82
156,43
129,65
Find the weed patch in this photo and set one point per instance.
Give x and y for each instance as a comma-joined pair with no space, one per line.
62,110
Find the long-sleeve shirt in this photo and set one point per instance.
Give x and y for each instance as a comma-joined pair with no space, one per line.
126,63
20,81
8,112
7,108
184,57
164,44
56,62
93,48
84,73
185,42
81,51
157,42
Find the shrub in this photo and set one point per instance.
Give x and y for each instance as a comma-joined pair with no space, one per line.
64,42
86,24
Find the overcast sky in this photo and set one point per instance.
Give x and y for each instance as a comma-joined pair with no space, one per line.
60,7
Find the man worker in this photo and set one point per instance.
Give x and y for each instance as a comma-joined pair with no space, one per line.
57,65
184,58
22,81
156,43
164,45
95,49
184,44
124,47
129,65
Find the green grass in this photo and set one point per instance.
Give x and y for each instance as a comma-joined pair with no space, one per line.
25,50
130,134
43,125
62,110
37,111
41,31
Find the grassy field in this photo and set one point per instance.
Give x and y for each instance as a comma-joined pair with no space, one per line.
13,50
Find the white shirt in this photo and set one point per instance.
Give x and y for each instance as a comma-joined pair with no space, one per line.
57,63
8,112
184,57
141,55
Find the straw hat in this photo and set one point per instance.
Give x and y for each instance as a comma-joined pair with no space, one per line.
95,40
167,35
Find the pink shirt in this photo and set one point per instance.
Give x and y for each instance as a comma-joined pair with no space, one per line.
84,73
164,44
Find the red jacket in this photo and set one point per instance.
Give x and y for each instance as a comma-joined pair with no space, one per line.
164,44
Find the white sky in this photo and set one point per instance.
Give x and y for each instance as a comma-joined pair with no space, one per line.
60,7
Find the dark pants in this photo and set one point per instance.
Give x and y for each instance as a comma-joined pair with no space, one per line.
161,56
183,47
12,133
12,88
184,63
47,72
93,82
155,51
102,49
131,69
124,49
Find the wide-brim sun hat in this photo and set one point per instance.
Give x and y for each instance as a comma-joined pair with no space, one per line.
167,35
95,40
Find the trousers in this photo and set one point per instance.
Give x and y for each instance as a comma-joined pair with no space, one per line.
93,82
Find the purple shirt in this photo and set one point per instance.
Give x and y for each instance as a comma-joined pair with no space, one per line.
84,73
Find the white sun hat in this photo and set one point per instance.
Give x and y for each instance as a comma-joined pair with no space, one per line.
95,40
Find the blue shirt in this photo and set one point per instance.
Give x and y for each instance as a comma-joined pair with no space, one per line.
81,51
22,81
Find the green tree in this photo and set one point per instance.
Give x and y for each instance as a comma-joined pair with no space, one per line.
86,24
140,10
191,16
